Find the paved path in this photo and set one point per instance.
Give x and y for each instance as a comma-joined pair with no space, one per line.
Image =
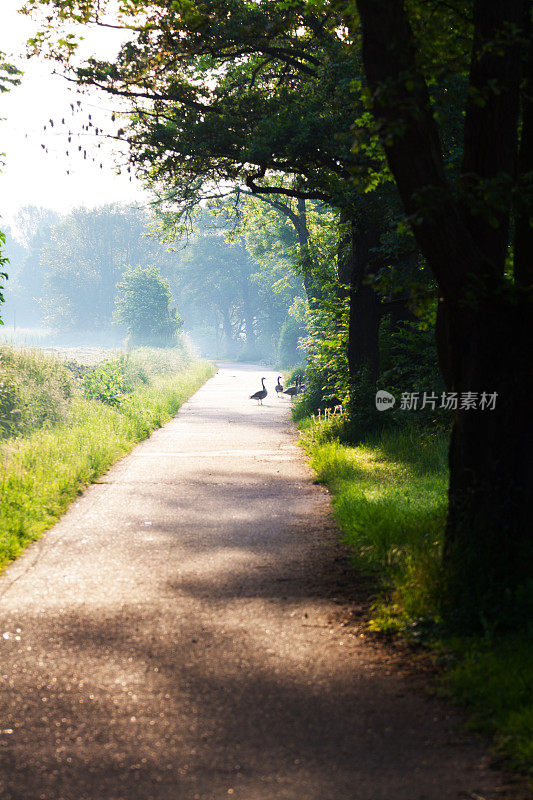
172,637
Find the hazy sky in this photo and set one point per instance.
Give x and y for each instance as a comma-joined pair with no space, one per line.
33,176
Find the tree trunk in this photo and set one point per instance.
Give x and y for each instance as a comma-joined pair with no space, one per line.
228,333
248,316
312,290
488,554
365,316
523,244
484,330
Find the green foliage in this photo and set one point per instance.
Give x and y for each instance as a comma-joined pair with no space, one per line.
409,357
108,383
143,306
220,93
409,363
9,75
290,336
389,496
493,678
326,378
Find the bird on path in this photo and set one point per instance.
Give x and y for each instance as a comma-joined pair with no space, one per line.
261,394
279,386
293,390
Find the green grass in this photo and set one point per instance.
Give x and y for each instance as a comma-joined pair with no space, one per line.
42,473
389,497
494,681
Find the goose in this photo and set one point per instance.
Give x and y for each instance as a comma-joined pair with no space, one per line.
292,390
261,394
279,386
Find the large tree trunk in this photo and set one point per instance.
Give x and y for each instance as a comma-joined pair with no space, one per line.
484,330
364,314
523,244
488,555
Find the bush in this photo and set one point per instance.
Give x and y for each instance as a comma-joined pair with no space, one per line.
143,306
409,364
109,383
113,381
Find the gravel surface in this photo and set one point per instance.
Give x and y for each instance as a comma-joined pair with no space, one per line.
180,634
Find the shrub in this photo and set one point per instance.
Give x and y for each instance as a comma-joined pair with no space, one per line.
107,383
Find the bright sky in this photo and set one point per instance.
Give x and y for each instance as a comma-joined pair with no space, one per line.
33,176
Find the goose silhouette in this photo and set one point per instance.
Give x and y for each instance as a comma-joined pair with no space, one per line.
293,390
261,394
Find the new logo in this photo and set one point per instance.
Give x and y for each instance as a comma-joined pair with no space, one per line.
384,400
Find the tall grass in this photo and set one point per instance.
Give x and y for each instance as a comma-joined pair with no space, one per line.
35,390
43,472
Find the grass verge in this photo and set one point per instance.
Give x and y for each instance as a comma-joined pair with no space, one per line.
389,498
42,473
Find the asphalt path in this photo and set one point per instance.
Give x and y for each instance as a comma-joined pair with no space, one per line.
177,635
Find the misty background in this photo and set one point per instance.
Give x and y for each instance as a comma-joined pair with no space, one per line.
65,269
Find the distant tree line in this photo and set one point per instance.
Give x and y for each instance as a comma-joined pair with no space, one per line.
67,271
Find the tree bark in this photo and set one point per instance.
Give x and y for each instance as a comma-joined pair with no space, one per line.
488,553
365,316
356,240
523,245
